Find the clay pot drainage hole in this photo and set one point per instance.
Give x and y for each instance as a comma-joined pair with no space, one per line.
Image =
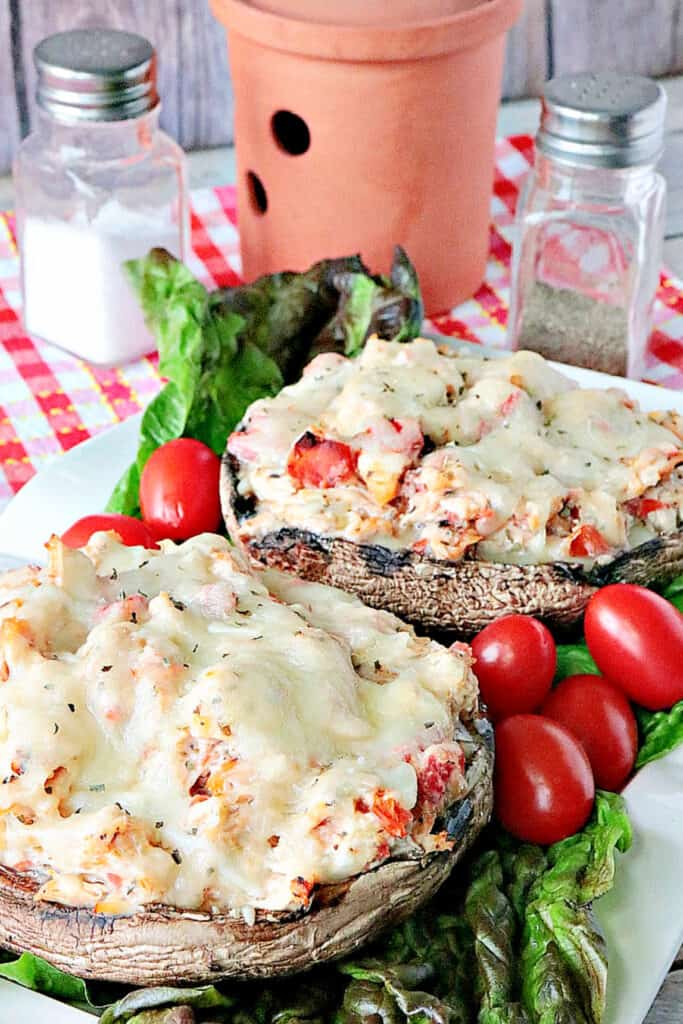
293,136
257,193
291,132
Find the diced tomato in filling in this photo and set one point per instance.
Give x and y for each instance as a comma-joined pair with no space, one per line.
321,462
509,404
641,507
433,780
394,818
198,789
383,851
588,542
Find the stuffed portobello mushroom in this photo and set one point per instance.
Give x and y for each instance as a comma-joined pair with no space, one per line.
451,490
209,771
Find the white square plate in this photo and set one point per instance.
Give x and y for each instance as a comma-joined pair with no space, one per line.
642,916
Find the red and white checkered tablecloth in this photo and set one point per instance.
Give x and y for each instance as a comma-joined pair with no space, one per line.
51,401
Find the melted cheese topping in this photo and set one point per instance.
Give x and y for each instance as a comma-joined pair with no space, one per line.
175,728
518,464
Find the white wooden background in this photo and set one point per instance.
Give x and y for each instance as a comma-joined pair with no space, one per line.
553,36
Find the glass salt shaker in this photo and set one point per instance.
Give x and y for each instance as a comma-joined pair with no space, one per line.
96,183
590,223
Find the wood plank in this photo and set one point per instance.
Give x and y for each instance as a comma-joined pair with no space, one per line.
645,36
206,100
526,53
522,115
190,45
668,1005
158,22
674,109
672,256
671,167
518,117
9,120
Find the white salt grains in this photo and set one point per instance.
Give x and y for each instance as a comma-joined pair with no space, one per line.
76,293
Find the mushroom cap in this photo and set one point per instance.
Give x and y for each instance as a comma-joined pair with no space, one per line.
448,597
161,944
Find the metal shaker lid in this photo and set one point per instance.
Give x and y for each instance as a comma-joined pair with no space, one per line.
602,119
96,74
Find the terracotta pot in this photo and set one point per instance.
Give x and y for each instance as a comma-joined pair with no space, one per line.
354,137
365,12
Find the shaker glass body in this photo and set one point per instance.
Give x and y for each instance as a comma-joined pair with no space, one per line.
90,196
586,263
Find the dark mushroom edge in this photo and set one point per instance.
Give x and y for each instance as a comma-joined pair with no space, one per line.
447,597
161,944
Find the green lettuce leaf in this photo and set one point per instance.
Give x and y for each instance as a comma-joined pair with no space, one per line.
355,315
674,592
564,957
437,951
306,999
301,1000
285,313
395,993
171,1015
574,659
191,341
389,307
491,916
660,733
144,1000
522,863
222,350
34,973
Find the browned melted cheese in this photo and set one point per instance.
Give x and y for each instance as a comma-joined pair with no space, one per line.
520,465
175,728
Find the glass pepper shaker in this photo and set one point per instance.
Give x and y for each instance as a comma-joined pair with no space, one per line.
96,183
590,223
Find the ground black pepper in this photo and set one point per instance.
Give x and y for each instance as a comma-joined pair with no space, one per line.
573,328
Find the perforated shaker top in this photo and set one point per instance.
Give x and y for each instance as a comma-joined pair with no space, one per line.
603,119
96,74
